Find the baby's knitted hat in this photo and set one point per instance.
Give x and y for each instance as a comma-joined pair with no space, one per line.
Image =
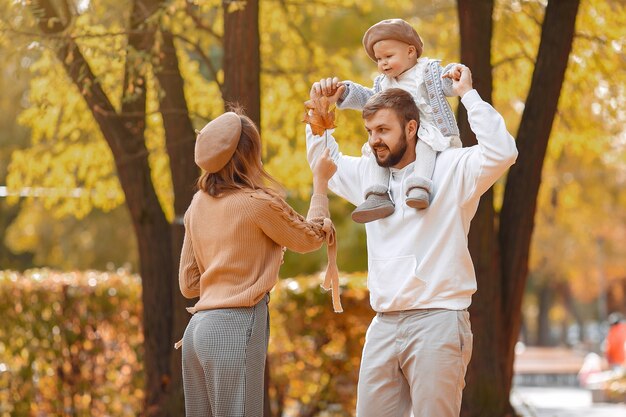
396,29
217,141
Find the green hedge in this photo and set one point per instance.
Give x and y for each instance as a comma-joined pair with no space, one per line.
71,344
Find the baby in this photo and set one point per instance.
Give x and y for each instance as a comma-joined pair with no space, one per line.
397,48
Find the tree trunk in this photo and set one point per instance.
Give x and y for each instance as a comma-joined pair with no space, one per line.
242,62
124,133
502,265
159,243
546,298
616,296
481,398
242,69
520,197
180,141
565,291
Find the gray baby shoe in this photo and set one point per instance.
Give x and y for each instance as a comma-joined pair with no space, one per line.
417,198
377,205
418,192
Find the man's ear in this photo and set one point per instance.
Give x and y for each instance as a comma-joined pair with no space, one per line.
411,129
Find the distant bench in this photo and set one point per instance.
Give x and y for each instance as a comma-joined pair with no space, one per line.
543,366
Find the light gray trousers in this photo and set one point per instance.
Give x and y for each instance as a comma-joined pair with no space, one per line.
414,361
224,354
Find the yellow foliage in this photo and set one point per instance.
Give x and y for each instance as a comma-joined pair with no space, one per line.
75,340
302,42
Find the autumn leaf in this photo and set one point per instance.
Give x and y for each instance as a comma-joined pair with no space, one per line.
319,115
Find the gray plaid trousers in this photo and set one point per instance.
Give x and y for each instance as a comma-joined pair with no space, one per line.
224,354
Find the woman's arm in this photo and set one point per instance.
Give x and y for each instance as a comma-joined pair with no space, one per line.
188,273
287,227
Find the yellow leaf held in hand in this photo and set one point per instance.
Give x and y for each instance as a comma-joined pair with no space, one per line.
319,115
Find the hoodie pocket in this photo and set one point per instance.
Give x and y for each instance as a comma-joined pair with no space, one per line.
389,278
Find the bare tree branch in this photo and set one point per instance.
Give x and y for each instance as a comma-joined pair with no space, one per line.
592,38
48,18
205,58
513,58
305,42
532,17
199,23
68,36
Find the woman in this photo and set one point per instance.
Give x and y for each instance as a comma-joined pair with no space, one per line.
235,231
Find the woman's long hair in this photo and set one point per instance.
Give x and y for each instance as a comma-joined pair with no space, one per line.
245,169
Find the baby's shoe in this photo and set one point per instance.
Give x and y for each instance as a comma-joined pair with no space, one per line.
418,192
377,205
417,198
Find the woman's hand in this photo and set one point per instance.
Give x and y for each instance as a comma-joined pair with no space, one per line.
323,171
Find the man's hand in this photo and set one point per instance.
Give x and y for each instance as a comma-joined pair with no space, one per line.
461,77
331,88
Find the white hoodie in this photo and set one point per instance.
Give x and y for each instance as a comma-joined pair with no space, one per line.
419,258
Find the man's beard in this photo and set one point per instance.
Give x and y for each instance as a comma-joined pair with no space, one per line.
394,157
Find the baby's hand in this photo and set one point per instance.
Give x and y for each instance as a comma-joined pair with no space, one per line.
454,73
464,83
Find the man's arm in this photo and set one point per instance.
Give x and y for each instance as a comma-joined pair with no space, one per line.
484,163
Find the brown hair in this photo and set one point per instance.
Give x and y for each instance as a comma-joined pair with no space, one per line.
245,169
396,99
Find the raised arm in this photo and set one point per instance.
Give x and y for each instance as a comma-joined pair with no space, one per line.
495,152
287,227
353,96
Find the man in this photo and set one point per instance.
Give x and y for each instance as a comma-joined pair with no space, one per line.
420,273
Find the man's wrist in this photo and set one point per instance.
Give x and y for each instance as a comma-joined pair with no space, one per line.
470,97
465,91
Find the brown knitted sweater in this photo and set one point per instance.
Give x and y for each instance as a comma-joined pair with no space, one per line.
233,245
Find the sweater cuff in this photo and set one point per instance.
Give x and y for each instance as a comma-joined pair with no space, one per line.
470,98
345,93
318,207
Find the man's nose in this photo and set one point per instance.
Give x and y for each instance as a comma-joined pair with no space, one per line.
374,140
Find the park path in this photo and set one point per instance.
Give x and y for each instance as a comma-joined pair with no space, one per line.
547,386
561,402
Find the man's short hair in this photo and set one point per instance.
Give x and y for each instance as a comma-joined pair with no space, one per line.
396,99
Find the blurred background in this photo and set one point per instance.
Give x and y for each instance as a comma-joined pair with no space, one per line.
98,106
